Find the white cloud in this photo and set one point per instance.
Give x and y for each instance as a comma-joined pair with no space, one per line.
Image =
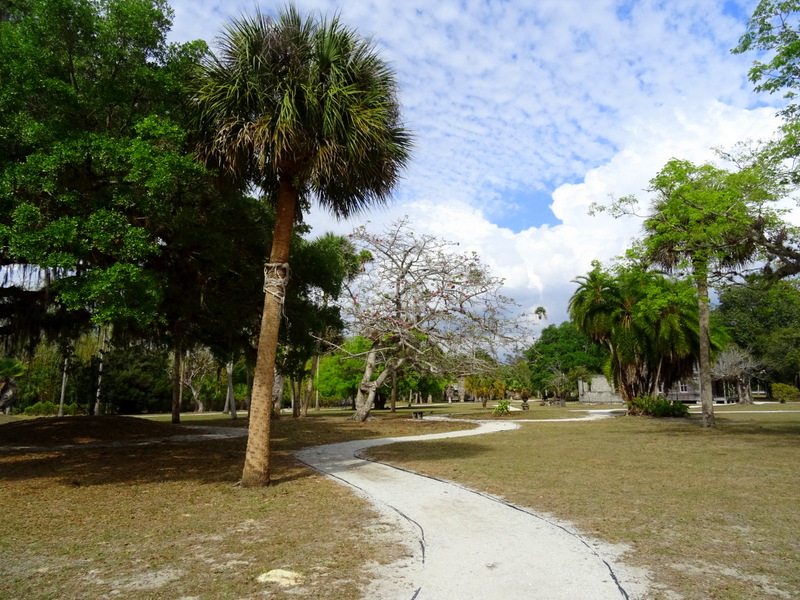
577,99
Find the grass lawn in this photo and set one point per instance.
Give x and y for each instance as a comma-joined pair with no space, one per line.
711,513
165,520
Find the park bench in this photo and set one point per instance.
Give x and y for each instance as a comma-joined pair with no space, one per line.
417,414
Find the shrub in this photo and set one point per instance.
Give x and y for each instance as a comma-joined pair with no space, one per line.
502,408
73,409
657,407
785,393
42,409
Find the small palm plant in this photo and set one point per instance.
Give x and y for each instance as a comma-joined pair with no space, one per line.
10,369
503,408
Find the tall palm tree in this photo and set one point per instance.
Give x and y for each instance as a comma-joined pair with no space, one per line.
302,108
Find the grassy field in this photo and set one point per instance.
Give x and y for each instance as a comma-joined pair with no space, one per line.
165,521
711,514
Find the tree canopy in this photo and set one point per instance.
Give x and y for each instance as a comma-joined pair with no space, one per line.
93,153
562,348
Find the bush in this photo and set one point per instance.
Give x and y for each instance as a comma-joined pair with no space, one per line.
73,410
502,408
42,409
657,407
47,409
785,393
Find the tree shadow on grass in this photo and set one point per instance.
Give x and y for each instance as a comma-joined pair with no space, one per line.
149,453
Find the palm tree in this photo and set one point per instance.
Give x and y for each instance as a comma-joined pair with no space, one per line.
10,369
302,108
648,323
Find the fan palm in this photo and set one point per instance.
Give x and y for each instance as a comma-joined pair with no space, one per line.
302,108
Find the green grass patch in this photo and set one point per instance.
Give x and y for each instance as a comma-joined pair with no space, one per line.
711,513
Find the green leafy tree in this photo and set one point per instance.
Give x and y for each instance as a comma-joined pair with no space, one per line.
136,380
702,219
300,107
91,150
764,317
341,371
562,347
774,32
485,387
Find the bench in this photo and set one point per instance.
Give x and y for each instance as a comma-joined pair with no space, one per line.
417,414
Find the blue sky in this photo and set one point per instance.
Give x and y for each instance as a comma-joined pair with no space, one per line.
527,111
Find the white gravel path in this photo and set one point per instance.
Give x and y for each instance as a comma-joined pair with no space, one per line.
468,545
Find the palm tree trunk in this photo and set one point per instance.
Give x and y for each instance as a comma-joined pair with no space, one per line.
256,461
706,395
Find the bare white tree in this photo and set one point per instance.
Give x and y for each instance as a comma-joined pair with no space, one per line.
739,366
423,303
197,363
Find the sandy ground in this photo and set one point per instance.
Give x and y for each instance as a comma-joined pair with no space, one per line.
468,545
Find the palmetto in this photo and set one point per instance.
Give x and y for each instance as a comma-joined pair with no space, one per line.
303,109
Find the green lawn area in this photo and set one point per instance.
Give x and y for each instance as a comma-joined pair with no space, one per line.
711,514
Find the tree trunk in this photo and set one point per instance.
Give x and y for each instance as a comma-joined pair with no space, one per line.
63,388
366,389
256,461
177,388
7,395
310,387
706,393
462,388
295,386
230,401
96,409
393,396
743,389
277,394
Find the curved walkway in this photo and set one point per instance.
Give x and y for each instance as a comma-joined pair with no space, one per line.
469,545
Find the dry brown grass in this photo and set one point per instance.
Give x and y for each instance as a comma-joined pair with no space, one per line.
165,520
711,514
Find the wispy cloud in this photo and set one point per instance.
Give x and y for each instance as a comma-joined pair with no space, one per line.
525,112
